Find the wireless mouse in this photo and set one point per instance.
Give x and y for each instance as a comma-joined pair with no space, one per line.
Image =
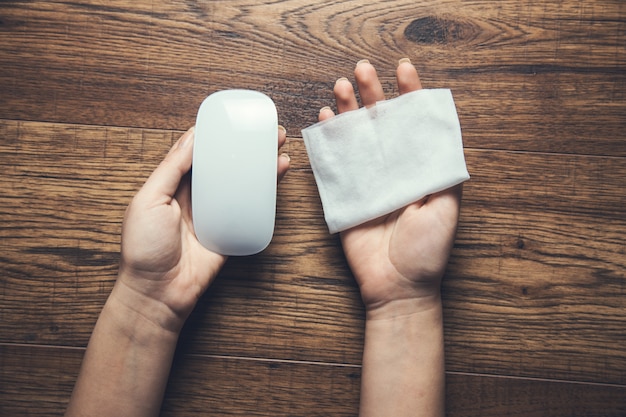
233,174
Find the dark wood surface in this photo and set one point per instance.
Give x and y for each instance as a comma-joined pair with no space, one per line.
92,94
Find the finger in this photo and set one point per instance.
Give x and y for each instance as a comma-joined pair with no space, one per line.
164,180
447,200
325,114
283,159
283,165
407,77
282,136
367,81
344,95
183,195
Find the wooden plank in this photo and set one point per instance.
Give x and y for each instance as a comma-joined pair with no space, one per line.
492,396
233,386
534,287
526,75
533,297
61,225
38,380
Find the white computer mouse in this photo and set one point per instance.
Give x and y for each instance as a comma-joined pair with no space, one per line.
233,176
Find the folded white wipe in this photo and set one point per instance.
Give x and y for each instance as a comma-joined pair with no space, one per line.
373,161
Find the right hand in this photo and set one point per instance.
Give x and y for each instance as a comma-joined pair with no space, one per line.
401,256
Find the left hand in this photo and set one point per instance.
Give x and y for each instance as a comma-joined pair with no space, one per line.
162,263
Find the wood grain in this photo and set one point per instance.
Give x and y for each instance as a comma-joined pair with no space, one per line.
526,76
539,259
38,380
486,395
92,95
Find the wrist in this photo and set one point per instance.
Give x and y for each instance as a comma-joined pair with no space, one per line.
404,308
403,360
141,314
128,359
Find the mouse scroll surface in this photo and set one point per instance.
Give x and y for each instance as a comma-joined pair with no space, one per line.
233,184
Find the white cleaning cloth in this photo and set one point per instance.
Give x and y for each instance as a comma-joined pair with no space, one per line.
373,161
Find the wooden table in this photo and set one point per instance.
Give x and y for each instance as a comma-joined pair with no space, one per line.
93,93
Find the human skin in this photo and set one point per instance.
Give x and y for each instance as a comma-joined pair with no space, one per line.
398,261
163,272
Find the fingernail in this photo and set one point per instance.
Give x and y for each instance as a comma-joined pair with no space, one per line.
325,108
284,155
403,60
282,128
342,79
363,61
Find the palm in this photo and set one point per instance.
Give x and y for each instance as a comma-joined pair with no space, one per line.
404,254
162,248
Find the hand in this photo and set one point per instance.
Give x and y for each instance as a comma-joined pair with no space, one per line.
161,259
403,255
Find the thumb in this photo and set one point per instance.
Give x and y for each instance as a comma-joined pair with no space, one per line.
165,179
